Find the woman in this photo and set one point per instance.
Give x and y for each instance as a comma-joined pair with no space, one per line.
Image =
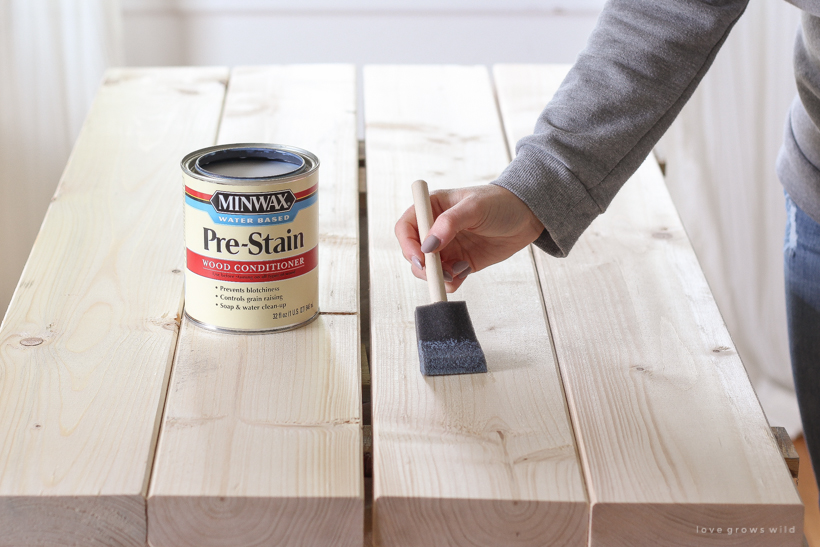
642,63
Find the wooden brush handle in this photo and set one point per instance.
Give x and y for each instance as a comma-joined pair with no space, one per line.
432,262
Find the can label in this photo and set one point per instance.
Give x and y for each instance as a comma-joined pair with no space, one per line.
252,252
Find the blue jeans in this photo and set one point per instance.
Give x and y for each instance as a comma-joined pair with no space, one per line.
801,265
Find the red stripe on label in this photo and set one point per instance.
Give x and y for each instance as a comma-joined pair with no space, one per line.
242,271
306,193
200,195
298,195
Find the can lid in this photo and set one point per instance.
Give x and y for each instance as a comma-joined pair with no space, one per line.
249,163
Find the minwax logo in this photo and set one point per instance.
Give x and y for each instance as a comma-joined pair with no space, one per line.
253,204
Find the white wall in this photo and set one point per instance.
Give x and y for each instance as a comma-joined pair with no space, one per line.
52,56
248,32
168,32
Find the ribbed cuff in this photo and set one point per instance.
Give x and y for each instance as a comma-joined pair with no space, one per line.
556,197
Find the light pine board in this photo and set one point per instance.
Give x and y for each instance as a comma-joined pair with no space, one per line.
261,441
312,107
88,338
671,433
478,460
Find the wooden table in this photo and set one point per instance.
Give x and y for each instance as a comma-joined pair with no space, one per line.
616,411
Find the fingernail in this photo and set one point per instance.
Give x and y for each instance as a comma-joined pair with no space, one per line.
460,266
465,273
430,244
447,277
416,262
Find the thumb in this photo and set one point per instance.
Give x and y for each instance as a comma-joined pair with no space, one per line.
465,214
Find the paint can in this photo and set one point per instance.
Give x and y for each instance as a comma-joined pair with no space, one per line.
251,237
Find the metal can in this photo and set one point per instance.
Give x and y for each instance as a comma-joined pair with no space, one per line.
251,237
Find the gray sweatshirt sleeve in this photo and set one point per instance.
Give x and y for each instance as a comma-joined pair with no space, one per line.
640,66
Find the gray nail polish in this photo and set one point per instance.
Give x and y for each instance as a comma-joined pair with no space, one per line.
460,266
447,277
430,244
465,273
416,262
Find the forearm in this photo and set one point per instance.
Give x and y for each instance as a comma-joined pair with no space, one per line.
642,63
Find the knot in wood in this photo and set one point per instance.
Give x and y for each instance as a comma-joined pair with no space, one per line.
31,341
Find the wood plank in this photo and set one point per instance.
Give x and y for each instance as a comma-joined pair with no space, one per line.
261,442
671,433
91,329
459,460
312,107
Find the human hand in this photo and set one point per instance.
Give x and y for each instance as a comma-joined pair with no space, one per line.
475,227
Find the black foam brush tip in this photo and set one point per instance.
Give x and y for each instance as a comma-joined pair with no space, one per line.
447,340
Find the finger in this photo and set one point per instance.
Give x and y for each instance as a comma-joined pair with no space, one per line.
460,266
407,233
452,286
451,282
419,273
463,215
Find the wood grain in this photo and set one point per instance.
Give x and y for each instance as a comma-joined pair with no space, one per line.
671,433
261,442
473,460
88,338
787,450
